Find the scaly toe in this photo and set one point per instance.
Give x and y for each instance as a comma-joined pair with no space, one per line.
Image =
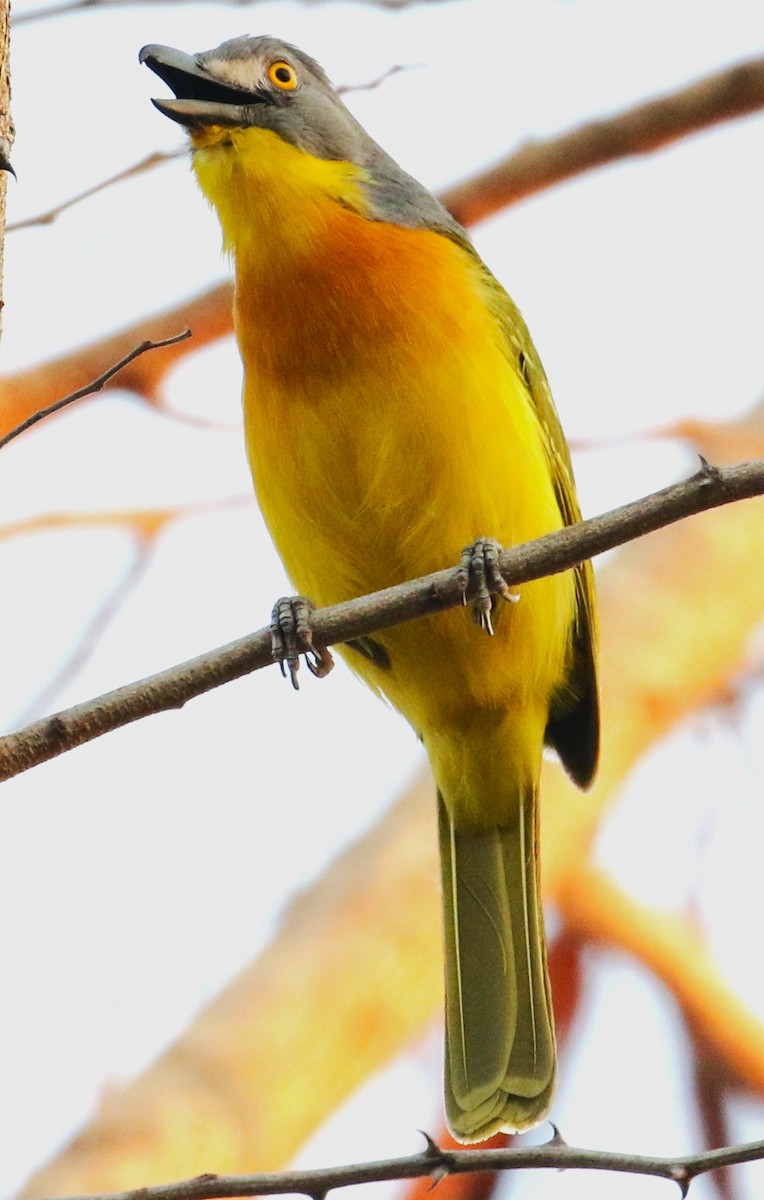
478,572
292,636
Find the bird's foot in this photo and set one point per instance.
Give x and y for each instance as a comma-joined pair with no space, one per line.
478,572
292,635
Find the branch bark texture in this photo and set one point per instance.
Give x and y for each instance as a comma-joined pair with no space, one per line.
250,1079
6,125
709,488
438,1164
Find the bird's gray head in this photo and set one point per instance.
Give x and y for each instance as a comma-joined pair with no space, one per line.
267,83
264,82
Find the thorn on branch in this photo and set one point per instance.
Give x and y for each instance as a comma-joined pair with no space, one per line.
432,1149
556,1139
682,1177
708,471
317,1184
435,1154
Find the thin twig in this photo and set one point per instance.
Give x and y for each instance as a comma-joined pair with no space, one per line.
148,163
372,84
57,10
94,386
158,157
31,389
144,526
726,95
555,1155
172,688
92,634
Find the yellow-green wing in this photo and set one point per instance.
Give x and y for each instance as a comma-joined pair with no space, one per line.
573,726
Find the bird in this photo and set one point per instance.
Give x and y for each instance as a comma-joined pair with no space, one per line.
398,421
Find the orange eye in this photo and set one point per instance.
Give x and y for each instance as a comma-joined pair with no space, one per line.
283,76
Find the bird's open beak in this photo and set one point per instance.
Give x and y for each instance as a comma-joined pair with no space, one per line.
202,99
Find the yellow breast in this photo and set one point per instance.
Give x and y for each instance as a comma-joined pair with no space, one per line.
386,425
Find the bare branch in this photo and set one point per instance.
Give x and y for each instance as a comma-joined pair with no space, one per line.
373,84
146,523
595,908
6,125
54,735
347,943
711,1089
720,97
88,641
146,164
157,159
145,526
95,386
437,1163
726,95
57,10
27,391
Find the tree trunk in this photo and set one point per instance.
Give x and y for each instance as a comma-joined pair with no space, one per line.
6,125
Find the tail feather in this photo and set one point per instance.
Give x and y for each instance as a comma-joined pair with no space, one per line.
500,1052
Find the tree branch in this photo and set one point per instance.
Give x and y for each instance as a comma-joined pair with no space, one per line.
54,735
207,315
94,386
6,125
726,95
437,1164
247,1082
720,97
595,908
57,10
155,159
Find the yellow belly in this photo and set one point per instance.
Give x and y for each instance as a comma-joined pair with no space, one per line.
386,429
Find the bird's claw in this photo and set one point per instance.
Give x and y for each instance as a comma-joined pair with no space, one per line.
292,635
478,572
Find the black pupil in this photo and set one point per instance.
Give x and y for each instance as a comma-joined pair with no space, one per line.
283,74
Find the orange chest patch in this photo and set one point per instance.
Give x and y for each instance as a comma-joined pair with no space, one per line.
356,296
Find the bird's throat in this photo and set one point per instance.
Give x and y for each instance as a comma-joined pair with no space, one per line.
269,195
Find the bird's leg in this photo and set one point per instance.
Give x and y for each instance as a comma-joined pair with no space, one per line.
478,572
291,636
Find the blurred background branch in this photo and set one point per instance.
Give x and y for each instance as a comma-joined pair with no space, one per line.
350,978
134,864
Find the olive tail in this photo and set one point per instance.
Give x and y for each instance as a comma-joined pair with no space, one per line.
500,1049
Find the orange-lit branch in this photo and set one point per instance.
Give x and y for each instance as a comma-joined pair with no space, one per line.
596,908
724,96
146,522
249,1080
95,385
208,316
